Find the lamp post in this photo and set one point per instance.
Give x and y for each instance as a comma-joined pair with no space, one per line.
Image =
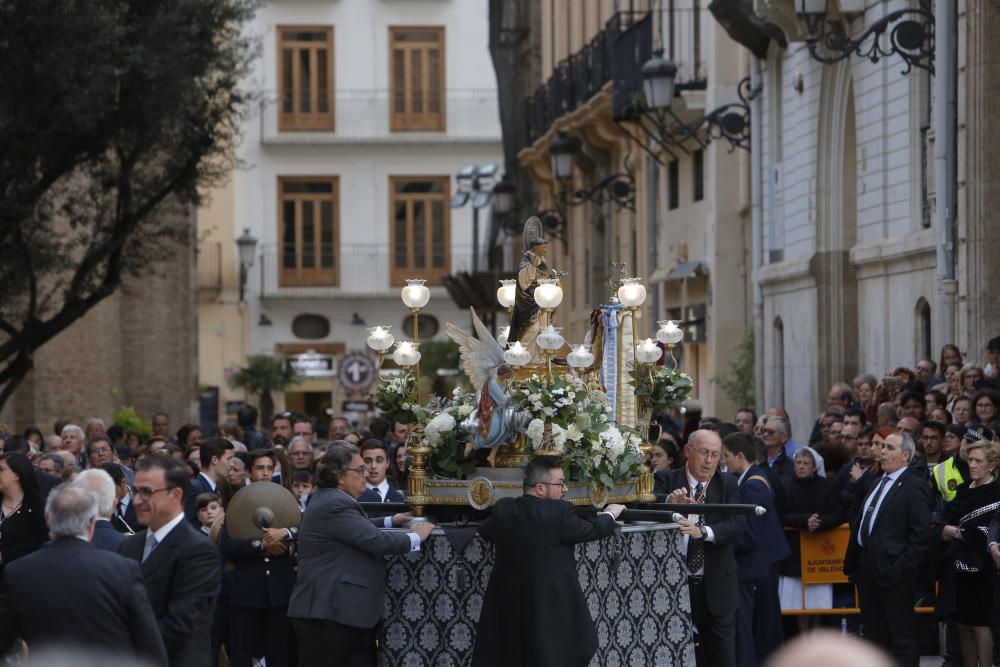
415,296
618,188
549,340
670,335
632,294
475,183
729,121
911,36
380,340
245,245
548,296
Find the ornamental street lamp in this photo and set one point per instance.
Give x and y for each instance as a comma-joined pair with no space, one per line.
617,188
246,244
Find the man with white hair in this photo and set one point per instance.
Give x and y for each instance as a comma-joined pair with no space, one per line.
100,483
73,439
53,443
95,427
71,593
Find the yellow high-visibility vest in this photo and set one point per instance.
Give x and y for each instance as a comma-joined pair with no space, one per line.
947,478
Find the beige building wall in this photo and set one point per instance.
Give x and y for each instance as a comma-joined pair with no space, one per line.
222,321
714,231
136,348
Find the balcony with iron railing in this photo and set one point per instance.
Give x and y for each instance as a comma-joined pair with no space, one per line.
366,116
355,270
616,55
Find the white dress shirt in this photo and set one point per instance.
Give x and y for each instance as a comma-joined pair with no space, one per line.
893,476
383,489
709,534
165,529
211,482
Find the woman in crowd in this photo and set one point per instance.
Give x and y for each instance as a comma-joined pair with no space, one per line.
967,519
961,410
22,511
664,455
950,356
811,508
189,436
864,389
970,375
987,405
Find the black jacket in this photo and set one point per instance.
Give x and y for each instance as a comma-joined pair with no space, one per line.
721,590
106,537
258,579
182,580
71,592
534,612
24,531
900,534
808,496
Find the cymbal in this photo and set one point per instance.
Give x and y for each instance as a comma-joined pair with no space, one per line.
258,506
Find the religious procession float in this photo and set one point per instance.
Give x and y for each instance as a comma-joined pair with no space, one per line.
532,394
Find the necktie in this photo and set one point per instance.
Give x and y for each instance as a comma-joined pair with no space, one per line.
696,548
378,494
151,543
866,522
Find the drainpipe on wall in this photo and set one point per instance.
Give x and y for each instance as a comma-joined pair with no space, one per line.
652,182
945,119
756,231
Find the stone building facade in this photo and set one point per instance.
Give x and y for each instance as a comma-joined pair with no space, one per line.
136,348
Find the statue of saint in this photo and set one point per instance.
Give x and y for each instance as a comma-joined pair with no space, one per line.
525,322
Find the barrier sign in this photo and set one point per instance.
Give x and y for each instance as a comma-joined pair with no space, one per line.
823,555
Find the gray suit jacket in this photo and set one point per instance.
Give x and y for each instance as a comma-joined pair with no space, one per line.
341,562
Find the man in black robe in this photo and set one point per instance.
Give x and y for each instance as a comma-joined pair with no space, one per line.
534,612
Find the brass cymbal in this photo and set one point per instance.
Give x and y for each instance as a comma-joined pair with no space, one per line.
258,506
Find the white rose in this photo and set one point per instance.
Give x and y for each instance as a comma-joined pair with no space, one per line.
574,433
535,431
465,410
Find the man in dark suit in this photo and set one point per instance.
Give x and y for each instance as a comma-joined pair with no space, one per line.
340,591
180,566
378,489
889,537
534,612
70,593
123,517
708,545
758,553
100,484
263,574
215,456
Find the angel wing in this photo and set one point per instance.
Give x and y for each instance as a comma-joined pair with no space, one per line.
481,356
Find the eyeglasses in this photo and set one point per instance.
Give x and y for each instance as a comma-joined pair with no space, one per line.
100,450
562,484
146,493
769,431
360,470
707,454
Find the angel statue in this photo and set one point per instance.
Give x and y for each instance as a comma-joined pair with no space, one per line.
483,362
526,321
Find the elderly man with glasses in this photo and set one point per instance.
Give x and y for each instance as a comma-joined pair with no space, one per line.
708,543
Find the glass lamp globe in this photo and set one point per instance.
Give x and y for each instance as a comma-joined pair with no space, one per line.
631,294
548,293
580,357
380,339
669,333
416,294
517,354
648,352
406,354
502,336
550,339
507,293
658,81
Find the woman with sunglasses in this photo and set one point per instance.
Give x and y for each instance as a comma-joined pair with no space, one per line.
22,510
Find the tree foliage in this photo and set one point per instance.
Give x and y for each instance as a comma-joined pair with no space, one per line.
738,380
263,375
112,115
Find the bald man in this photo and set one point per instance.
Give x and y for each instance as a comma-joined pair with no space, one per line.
708,545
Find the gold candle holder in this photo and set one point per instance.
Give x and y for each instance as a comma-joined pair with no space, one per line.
417,496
